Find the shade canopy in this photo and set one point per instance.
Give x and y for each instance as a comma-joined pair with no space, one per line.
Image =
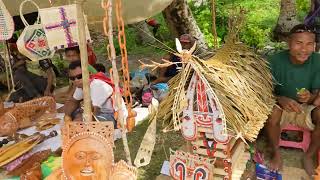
133,10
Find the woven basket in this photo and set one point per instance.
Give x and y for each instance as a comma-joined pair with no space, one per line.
33,41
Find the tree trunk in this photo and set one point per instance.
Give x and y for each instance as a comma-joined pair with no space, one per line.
180,21
144,34
287,19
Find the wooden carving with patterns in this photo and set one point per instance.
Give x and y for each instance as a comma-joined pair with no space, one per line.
23,114
88,153
87,150
122,171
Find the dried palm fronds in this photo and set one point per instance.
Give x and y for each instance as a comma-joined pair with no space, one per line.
13,151
243,84
240,81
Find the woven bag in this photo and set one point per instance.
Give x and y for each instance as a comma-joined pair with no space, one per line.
61,26
6,23
33,41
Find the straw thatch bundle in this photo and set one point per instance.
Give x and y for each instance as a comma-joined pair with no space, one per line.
241,82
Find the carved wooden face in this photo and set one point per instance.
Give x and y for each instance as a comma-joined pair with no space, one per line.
87,157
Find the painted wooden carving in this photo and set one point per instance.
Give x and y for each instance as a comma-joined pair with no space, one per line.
185,166
202,115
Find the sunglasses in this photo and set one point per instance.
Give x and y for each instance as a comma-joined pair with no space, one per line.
72,78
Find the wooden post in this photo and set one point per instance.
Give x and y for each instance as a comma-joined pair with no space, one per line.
115,75
87,114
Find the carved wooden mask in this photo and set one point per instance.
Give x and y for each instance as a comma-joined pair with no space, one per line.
87,152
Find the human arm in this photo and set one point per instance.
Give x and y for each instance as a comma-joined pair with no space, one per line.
50,79
161,77
70,106
73,102
288,104
162,73
46,65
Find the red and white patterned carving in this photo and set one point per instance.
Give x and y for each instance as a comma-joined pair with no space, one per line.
202,114
188,126
185,166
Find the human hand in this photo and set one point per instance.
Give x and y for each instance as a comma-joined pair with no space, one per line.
67,118
303,95
289,104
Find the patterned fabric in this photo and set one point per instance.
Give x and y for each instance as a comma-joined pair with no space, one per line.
61,27
6,23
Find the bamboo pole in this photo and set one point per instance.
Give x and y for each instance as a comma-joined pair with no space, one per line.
115,77
214,27
10,74
6,64
87,114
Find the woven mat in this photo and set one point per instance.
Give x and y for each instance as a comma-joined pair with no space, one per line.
293,173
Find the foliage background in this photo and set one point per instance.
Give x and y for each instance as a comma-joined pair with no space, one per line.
261,18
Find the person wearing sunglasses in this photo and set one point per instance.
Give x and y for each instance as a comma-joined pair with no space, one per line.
296,74
101,90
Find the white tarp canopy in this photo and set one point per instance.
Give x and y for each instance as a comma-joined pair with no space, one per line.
133,10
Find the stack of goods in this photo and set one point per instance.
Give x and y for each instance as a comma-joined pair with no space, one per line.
18,159
17,154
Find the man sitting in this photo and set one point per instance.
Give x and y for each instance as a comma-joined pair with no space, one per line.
28,84
101,90
297,83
